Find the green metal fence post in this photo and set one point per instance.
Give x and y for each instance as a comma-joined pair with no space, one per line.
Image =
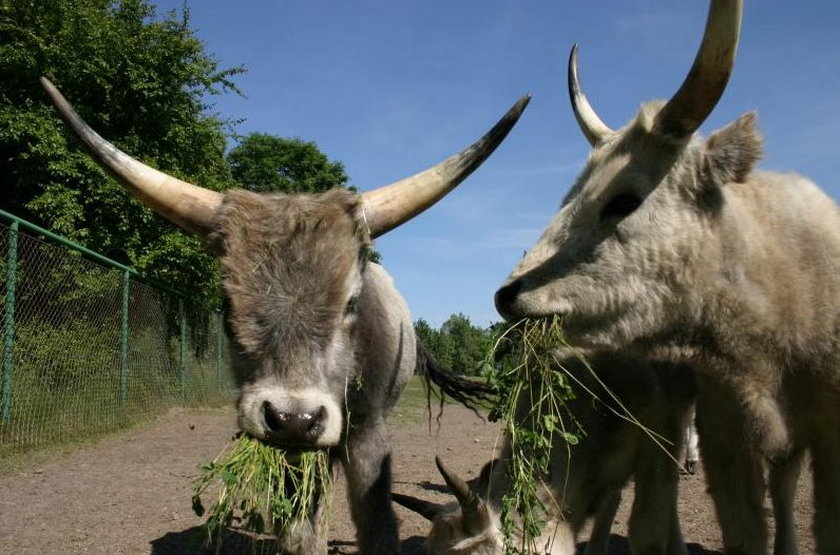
9,324
219,331
182,343
124,337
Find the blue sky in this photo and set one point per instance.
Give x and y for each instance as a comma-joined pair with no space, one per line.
390,87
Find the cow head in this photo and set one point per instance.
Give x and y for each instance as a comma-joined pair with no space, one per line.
292,267
618,261
468,527
472,526
293,276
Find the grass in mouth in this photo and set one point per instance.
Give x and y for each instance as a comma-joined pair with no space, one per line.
261,489
533,390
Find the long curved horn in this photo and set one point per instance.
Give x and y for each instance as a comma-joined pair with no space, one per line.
476,516
593,128
707,79
187,205
428,510
391,205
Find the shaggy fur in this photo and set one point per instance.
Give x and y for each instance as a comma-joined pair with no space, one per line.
586,479
739,269
319,335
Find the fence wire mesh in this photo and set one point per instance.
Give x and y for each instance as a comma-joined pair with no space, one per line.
87,348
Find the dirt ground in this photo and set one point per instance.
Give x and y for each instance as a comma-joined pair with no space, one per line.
131,493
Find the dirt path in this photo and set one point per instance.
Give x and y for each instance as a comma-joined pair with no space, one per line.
131,493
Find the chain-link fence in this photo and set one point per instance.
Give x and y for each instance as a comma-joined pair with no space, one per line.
89,346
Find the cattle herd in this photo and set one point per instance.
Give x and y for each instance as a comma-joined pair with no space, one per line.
685,276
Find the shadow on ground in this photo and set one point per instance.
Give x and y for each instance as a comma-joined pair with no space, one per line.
193,541
620,546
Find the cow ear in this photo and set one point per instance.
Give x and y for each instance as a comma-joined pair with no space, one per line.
732,152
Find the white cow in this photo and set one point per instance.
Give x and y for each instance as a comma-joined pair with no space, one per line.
668,239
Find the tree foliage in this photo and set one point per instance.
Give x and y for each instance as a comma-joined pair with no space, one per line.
458,345
140,80
266,163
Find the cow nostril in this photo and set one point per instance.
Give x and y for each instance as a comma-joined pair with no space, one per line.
316,427
506,295
304,426
274,419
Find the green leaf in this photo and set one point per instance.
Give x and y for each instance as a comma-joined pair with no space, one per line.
229,478
197,507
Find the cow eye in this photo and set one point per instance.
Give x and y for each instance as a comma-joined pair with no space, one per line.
352,306
620,206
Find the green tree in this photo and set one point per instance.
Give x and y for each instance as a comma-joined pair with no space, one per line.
267,163
425,333
470,344
458,345
141,81
438,345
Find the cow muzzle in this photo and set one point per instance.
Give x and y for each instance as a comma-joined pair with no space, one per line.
506,298
292,428
298,419
518,299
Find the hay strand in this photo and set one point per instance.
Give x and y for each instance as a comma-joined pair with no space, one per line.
533,390
260,489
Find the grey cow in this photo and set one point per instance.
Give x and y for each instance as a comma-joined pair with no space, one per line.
586,479
671,240
323,343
